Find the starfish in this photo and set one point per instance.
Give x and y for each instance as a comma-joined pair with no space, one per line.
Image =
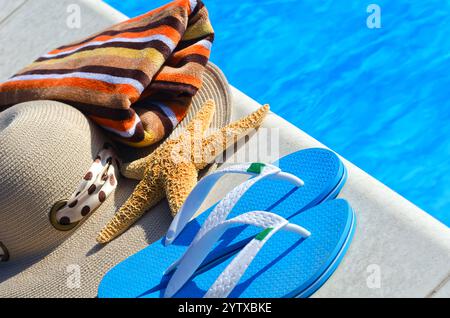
171,170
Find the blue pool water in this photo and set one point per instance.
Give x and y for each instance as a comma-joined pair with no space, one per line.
379,97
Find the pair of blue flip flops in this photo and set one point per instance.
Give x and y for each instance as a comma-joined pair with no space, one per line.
281,233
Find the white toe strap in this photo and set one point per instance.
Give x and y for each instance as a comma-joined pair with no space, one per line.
204,186
200,248
233,273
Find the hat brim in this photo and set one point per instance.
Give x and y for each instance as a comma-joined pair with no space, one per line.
76,267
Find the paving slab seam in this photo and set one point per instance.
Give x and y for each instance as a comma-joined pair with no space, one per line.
438,287
12,13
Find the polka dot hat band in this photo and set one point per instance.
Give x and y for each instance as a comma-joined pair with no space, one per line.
97,184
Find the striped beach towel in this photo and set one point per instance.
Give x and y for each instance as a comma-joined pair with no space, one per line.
135,79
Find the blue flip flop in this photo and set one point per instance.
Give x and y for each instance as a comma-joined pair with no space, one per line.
288,258
316,175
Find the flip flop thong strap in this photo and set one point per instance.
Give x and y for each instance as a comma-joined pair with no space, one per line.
204,186
196,253
224,207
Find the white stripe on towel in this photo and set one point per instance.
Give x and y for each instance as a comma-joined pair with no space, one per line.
193,4
128,133
168,112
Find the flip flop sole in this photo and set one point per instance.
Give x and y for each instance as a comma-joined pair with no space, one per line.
333,266
320,169
288,266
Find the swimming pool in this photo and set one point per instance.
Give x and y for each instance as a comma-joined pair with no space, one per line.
379,97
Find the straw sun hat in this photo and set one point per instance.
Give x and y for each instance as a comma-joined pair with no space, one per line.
45,149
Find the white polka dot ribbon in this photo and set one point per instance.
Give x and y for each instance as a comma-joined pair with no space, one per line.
97,184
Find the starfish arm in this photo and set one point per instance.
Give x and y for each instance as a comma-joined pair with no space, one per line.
178,184
202,118
136,169
217,142
146,194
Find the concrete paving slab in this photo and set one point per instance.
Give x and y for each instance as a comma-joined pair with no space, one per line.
7,7
39,26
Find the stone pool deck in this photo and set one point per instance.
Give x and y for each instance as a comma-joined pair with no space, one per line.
395,241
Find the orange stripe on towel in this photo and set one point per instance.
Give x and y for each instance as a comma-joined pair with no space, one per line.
195,49
120,125
179,110
179,78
